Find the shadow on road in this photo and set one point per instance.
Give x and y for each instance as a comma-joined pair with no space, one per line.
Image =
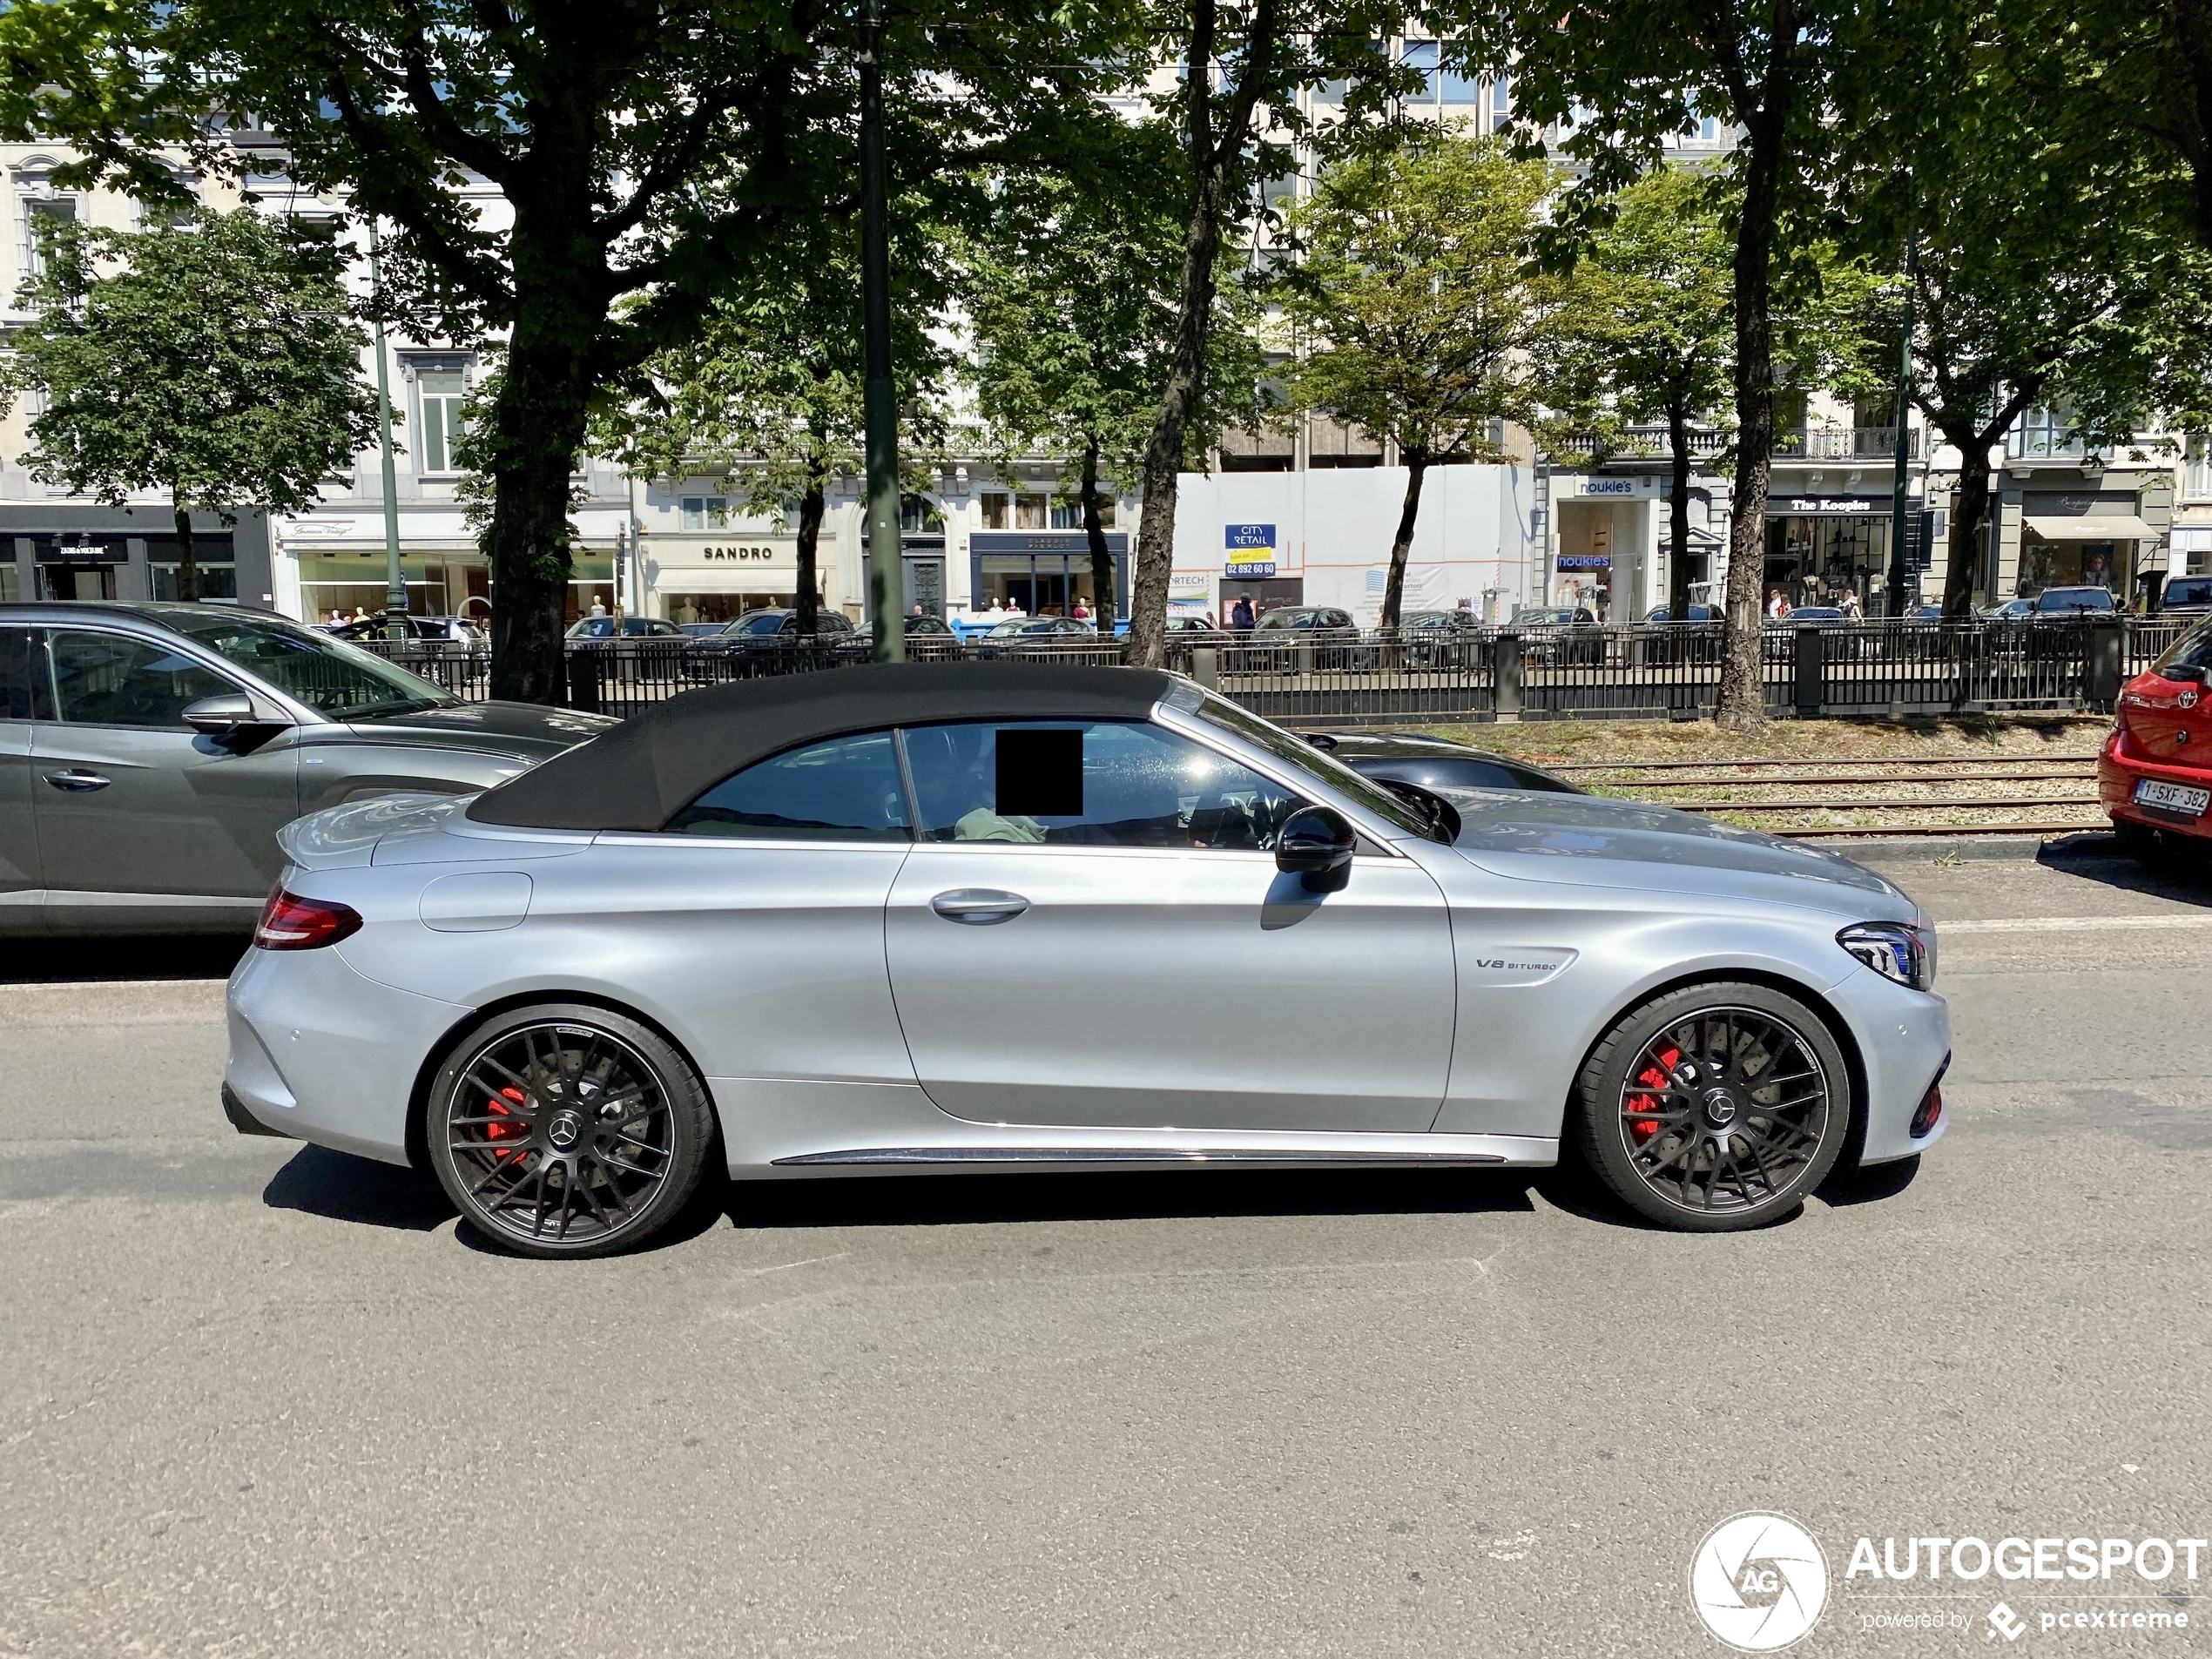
319,1182
951,1200
45,961
2184,875
1869,1185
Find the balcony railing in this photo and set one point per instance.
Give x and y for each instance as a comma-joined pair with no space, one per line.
1640,444
1844,444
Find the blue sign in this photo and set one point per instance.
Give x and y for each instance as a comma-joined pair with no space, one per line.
1245,567
1249,535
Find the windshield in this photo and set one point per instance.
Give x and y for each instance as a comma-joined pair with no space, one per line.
761,622
2190,591
328,674
1297,752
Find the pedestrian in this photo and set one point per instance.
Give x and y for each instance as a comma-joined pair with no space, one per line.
1240,615
1849,604
1774,605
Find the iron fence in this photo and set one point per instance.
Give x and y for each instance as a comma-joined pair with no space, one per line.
1349,677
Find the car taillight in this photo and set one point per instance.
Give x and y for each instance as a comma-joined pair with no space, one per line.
289,922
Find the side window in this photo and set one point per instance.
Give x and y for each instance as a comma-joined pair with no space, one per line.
25,692
109,679
1103,784
846,789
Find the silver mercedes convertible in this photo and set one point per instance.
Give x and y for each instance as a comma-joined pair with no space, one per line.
996,915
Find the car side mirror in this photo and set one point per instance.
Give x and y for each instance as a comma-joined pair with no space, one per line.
2192,672
1316,844
221,715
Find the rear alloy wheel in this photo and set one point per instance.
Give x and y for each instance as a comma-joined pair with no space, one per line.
568,1131
1715,1107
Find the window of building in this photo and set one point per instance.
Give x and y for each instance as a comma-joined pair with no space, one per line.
1421,55
44,218
920,513
1501,104
996,514
2196,467
705,512
441,392
1031,513
2043,431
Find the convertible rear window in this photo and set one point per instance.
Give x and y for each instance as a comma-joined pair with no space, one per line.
845,789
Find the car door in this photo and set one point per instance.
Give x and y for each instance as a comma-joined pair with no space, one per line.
759,912
1091,931
25,696
137,814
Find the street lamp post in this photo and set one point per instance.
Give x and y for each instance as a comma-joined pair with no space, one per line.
395,577
1899,566
881,405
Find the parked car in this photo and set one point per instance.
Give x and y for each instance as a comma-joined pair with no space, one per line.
149,753
1697,613
2008,611
700,936
1049,635
596,627
1307,636
2155,773
2186,596
450,630
1181,621
927,627
2075,602
1559,634
1435,763
750,644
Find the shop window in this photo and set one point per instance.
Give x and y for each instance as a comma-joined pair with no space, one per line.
441,395
217,582
706,512
845,790
1106,784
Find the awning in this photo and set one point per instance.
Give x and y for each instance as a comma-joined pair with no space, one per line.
2109,527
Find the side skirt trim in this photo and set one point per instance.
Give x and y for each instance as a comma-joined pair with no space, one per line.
1126,1154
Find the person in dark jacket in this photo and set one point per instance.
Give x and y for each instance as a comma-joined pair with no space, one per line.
1241,617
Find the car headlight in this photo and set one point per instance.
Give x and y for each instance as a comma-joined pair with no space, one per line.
1893,950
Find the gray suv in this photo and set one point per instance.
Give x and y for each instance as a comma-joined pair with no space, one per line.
149,753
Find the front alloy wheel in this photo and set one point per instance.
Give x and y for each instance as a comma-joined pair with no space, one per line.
567,1130
1715,1108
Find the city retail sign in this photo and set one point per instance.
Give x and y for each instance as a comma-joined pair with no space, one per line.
1251,551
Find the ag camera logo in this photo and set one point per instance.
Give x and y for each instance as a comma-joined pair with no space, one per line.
1759,1581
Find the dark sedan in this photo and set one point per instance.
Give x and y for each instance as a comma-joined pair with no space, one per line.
748,646
1436,763
149,753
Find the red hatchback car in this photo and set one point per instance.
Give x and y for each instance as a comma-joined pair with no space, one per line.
2156,773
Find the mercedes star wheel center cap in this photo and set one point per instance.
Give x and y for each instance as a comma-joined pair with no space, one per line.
564,1131
1720,1107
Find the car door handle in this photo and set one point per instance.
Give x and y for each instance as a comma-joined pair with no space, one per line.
77,781
979,906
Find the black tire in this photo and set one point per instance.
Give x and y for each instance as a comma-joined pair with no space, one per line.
565,1129
1745,1119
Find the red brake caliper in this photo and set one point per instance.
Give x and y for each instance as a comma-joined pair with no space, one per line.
1651,1077
506,1131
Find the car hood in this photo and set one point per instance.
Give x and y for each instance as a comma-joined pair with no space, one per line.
527,731
1589,840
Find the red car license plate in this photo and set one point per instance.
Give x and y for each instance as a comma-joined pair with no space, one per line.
2173,798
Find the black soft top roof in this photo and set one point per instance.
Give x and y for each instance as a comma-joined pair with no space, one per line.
640,775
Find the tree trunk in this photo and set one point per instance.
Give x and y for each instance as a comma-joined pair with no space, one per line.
1742,704
1969,509
810,536
187,563
1212,165
1102,561
1678,517
537,423
1394,591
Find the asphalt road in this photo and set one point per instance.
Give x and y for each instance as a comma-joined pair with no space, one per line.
259,1399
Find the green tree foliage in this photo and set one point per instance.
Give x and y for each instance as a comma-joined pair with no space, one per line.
768,392
213,359
651,157
1625,76
2034,282
1071,303
1236,111
1421,304
1656,335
